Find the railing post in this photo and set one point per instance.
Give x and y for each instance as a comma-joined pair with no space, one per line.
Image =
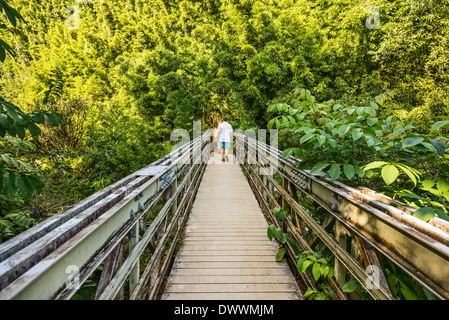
355,253
265,182
285,205
135,272
341,235
175,202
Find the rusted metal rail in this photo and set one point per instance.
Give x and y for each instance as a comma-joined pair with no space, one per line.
360,226
131,228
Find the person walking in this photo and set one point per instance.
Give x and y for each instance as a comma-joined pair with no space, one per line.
224,138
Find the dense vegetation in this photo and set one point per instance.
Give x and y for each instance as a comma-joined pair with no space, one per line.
121,75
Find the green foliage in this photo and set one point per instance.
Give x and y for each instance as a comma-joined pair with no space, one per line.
402,286
319,268
12,15
350,286
273,231
15,174
13,222
56,87
352,142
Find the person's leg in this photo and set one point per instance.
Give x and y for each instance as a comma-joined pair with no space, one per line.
223,153
226,151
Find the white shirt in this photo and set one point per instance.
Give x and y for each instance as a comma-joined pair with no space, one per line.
224,132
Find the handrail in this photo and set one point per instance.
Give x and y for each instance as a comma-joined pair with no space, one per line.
52,259
372,222
143,214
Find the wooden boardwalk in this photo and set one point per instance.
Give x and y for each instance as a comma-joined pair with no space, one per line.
226,254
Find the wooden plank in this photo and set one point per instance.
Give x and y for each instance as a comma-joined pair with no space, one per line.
226,234
196,247
225,226
223,236
226,258
217,252
229,264
229,279
231,272
233,296
232,287
230,241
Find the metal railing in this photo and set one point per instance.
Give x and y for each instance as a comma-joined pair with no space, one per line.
130,228
361,225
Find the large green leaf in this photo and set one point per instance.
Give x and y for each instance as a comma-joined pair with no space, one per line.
408,294
305,265
316,271
343,129
350,286
2,54
413,174
356,134
412,142
280,254
324,270
439,124
287,152
349,170
25,186
34,129
374,165
270,231
321,139
301,260
424,213
319,167
427,184
441,214
11,109
9,184
372,112
35,182
439,146
334,171
53,119
306,137
372,122
443,185
270,124
389,173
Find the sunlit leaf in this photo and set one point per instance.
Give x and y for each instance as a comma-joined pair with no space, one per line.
349,170
389,173
334,171
439,124
424,213
316,271
410,142
280,254
319,167
443,185
350,286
